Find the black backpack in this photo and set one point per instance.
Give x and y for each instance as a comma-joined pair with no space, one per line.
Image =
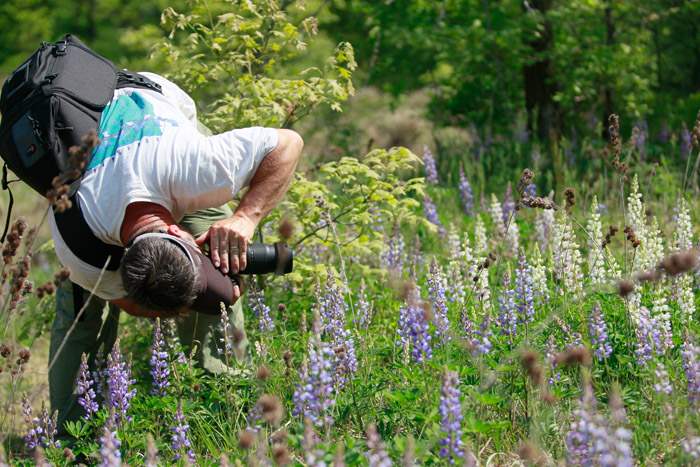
48,104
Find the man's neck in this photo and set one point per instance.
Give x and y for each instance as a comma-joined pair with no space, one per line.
144,217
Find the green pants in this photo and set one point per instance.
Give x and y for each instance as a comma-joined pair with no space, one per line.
98,327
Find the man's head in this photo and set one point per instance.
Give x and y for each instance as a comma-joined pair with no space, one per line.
158,271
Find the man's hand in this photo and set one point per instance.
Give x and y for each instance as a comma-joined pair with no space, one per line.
228,242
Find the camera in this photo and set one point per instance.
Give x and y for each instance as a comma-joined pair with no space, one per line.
262,258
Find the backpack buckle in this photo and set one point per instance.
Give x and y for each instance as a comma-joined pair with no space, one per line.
60,48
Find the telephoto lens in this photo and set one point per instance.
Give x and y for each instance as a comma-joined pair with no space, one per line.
265,259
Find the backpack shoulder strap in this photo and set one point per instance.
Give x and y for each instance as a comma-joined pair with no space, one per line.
82,242
128,79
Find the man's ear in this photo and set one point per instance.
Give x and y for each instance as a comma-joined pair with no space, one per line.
176,231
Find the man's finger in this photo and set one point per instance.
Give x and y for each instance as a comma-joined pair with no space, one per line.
202,239
223,251
214,247
243,245
236,293
235,252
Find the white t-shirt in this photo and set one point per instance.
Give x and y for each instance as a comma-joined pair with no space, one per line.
151,150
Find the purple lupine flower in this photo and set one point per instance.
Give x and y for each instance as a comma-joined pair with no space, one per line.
377,455
598,331
160,368
580,437
260,309
524,296
313,456
413,328
691,366
451,419
333,310
639,138
431,214
313,396
466,193
364,307
467,324
691,446
662,384
226,350
531,190
686,142
436,290
83,389
550,357
42,429
508,316
180,442
395,253
508,205
648,337
109,447
431,175
481,344
119,384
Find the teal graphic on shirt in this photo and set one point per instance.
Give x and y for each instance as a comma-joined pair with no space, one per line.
125,120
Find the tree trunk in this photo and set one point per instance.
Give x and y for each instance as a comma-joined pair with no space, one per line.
543,117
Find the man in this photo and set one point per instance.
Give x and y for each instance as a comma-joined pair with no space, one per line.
155,172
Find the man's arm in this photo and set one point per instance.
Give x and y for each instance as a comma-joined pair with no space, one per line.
228,239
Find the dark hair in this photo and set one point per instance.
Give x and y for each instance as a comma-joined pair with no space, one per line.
158,275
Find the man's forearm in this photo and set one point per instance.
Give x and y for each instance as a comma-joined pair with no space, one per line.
270,182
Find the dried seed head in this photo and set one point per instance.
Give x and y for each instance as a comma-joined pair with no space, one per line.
24,355
263,373
679,263
573,356
271,408
648,276
532,454
237,336
570,197
5,351
525,180
281,307
625,287
530,362
68,455
286,229
538,202
246,439
280,454
62,275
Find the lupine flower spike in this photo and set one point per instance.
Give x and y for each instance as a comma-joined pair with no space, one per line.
452,448
119,385
466,193
110,447
160,370
84,390
413,328
313,397
436,289
377,455
431,175
180,442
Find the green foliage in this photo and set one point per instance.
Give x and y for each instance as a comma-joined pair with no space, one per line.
230,57
347,208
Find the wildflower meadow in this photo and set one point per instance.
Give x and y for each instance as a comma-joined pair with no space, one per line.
494,302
